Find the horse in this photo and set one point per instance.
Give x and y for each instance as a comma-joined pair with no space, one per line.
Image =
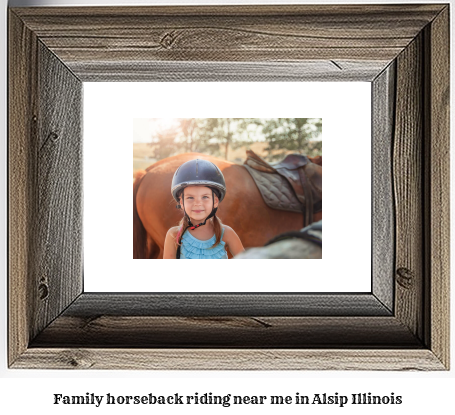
285,249
303,244
243,209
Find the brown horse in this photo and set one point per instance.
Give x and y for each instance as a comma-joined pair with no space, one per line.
243,209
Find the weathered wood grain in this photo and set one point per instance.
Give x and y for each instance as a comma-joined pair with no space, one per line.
21,132
232,304
256,332
382,201
313,21
305,70
408,187
229,359
438,198
348,13
57,247
272,34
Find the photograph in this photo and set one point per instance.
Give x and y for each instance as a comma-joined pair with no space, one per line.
241,187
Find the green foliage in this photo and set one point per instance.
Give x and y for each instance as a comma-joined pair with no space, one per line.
216,135
164,143
188,132
292,134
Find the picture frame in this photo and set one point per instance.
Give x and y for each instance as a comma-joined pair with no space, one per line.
402,324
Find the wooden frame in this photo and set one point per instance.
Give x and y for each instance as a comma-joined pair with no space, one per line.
403,50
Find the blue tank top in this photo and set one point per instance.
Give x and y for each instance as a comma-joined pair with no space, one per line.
193,248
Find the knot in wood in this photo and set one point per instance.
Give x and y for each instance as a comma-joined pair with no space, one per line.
43,291
53,136
76,359
404,277
168,40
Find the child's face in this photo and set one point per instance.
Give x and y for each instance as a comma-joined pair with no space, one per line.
198,202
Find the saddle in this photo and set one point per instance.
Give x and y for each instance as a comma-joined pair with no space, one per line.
293,184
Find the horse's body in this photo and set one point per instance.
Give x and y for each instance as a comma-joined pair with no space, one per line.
303,244
243,208
286,249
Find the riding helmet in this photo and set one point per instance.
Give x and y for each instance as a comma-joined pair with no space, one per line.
198,172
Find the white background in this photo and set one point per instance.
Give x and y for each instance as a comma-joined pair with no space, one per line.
109,110
31,391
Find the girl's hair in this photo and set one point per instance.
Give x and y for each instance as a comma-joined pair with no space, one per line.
217,226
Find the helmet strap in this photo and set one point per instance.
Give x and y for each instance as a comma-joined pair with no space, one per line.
212,213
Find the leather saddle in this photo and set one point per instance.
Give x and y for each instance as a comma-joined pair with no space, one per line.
293,184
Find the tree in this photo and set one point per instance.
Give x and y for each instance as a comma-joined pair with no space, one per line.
292,134
217,134
188,132
172,135
163,139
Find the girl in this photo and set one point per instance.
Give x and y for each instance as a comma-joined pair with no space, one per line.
198,186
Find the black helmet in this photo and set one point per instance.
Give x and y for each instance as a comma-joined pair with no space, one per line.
198,172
